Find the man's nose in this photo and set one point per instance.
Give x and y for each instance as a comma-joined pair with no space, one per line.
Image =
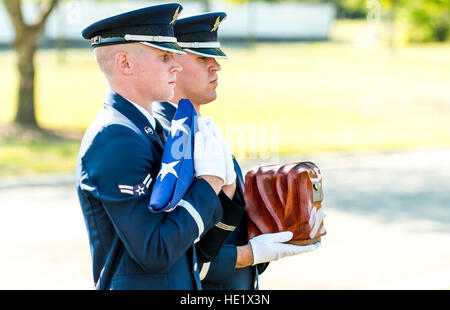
176,67
215,66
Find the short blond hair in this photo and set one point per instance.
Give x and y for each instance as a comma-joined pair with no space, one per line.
105,55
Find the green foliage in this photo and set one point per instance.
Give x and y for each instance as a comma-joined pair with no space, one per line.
21,157
424,20
427,21
324,97
351,8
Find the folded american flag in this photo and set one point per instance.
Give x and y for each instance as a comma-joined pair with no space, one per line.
177,166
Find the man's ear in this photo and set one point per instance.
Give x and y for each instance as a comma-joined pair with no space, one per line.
122,63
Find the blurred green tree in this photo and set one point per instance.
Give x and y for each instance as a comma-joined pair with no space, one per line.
25,44
424,20
427,20
26,38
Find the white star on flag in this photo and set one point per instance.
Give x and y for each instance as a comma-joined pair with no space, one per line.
177,124
168,168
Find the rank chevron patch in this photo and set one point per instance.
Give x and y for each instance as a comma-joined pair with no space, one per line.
136,190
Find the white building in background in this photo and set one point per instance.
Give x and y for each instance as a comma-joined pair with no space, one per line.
258,20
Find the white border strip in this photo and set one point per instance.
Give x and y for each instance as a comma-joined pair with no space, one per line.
204,271
195,215
137,37
214,44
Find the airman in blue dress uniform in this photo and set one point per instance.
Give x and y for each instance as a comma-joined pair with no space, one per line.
120,156
238,262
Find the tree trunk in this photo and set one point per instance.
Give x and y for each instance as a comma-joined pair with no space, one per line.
25,114
25,44
392,19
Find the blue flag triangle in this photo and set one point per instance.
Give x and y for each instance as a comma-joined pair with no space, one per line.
176,174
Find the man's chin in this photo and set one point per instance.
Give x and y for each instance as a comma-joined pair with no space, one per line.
212,96
209,99
168,96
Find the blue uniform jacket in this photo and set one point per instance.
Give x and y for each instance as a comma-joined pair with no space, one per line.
220,273
131,247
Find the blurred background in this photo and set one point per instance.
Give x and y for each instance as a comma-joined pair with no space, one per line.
360,87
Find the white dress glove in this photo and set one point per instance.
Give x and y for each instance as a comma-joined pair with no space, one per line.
208,154
230,177
270,247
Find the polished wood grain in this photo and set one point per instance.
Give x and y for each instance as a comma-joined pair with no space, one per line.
285,197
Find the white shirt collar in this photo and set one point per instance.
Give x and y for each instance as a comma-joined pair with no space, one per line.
147,114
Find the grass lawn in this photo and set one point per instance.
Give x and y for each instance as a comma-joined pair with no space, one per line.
42,156
308,97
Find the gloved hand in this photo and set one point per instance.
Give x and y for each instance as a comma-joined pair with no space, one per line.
230,177
270,247
208,153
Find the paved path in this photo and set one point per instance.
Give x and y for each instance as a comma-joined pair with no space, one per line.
387,217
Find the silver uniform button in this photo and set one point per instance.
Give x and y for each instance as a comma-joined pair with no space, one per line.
148,130
256,284
195,267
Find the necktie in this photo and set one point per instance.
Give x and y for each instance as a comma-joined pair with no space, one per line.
160,131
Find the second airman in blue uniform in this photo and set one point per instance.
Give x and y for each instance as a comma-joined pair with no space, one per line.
239,262
120,157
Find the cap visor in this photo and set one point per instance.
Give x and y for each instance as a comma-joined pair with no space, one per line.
166,46
207,52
